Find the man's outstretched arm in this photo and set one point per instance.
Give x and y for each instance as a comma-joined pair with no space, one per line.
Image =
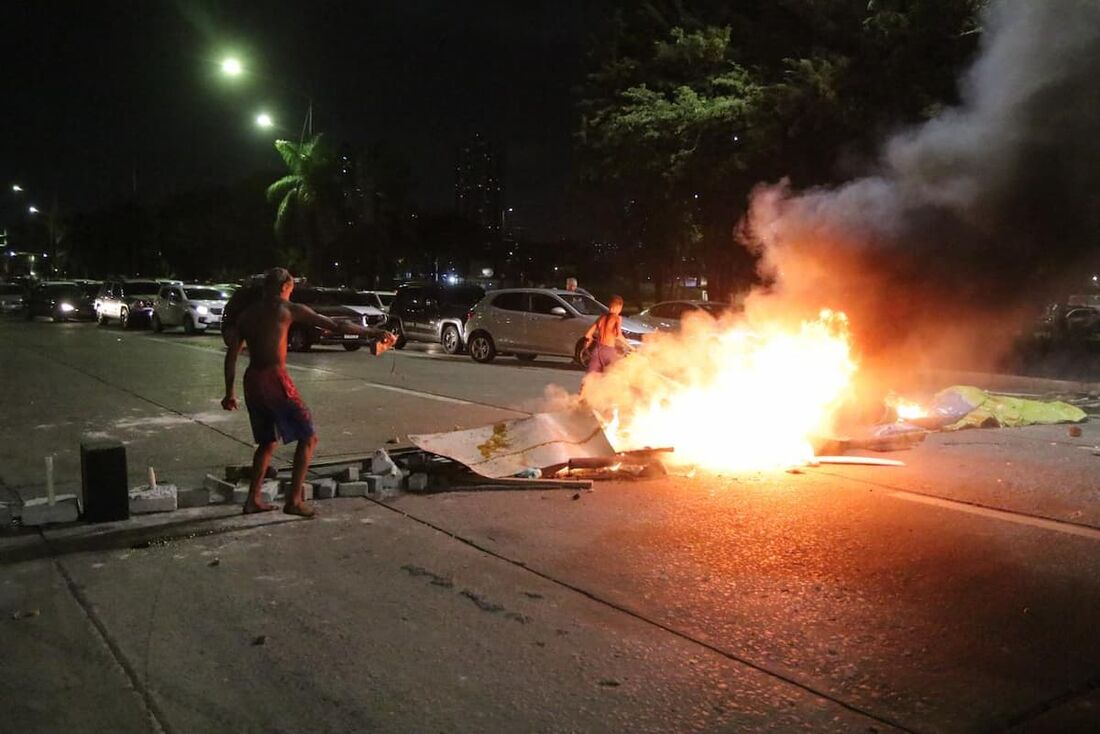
233,350
305,315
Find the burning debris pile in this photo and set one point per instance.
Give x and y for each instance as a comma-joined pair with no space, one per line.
731,394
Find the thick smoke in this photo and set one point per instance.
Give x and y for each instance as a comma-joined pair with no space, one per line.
972,217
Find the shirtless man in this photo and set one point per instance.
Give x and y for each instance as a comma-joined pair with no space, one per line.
274,407
607,333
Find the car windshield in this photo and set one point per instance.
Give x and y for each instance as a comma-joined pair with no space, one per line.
142,286
90,289
385,298
207,294
351,298
63,291
583,304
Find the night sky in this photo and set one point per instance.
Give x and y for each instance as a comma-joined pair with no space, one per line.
101,96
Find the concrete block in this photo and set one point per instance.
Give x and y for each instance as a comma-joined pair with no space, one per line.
325,489
353,489
213,484
5,515
269,490
381,463
418,482
390,484
351,474
162,498
38,511
195,497
307,489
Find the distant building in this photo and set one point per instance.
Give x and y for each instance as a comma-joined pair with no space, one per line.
479,189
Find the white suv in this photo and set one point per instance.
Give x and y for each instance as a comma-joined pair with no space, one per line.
194,307
128,301
528,322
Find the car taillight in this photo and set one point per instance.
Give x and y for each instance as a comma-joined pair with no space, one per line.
469,315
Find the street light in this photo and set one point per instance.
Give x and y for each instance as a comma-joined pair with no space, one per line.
231,66
264,120
32,209
17,188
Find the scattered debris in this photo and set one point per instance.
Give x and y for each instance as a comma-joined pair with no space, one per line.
609,683
27,614
436,579
857,461
259,640
1074,431
215,562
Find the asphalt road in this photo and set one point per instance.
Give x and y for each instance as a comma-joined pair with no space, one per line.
960,593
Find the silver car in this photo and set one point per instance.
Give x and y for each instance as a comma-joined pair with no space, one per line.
668,315
194,307
528,322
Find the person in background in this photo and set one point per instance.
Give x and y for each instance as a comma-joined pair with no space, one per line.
571,286
604,336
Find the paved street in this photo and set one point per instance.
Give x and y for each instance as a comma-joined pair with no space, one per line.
960,593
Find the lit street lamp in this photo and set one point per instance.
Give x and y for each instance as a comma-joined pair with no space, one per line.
17,188
232,66
264,120
32,209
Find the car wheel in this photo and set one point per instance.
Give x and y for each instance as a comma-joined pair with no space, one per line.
526,357
297,342
189,325
103,320
124,318
157,325
581,354
57,315
481,347
451,340
352,347
401,340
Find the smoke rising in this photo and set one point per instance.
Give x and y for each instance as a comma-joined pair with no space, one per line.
969,218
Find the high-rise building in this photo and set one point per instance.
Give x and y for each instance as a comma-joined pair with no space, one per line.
479,189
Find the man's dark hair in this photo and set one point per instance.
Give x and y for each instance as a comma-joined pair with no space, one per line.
274,279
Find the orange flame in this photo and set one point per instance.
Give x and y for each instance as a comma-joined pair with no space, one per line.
729,396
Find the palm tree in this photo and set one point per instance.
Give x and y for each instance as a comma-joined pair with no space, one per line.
309,198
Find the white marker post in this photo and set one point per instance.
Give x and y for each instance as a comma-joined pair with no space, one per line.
152,478
51,498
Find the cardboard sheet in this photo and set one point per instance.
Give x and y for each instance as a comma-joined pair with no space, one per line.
507,448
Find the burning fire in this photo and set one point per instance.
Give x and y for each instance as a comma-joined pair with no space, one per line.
729,396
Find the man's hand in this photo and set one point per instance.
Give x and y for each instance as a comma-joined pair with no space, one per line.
386,341
229,402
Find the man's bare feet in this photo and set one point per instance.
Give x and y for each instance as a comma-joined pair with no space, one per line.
301,509
251,508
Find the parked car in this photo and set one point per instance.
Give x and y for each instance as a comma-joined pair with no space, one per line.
383,298
430,312
194,307
528,322
128,301
365,304
61,301
668,315
11,298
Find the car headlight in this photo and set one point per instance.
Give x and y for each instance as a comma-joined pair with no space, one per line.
67,308
202,310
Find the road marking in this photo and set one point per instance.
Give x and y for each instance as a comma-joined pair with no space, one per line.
1058,526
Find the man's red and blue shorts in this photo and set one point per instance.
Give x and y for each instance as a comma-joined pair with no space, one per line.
275,408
